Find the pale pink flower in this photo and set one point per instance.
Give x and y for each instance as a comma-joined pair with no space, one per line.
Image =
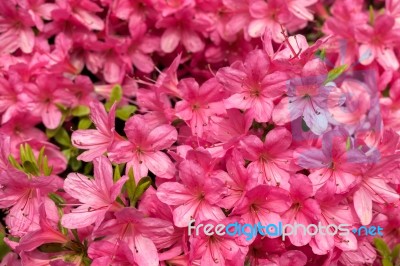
97,196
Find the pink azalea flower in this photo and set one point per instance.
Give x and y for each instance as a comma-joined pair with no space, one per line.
195,197
96,141
392,7
365,254
142,150
44,96
199,104
48,233
300,8
252,85
134,233
373,188
81,12
271,160
238,17
263,204
23,194
38,10
228,130
12,100
334,163
334,211
97,196
168,81
304,209
15,28
184,27
157,105
270,16
378,42
237,179
307,98
217,250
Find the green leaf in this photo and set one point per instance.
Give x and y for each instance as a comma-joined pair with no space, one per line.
51,248
14,163
67,153
29,156
63,138
88,168
396,252
80,110
115,96
84,123
131,185
75,164
371,15
141,187
117,174
304,126
45,167
51,132
348,144
4,249
125,112
335,73
31,168
386,262
58,200
382,247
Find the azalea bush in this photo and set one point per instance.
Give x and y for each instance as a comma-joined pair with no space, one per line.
125,121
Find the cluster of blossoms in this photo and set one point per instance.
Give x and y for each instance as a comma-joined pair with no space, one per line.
121,121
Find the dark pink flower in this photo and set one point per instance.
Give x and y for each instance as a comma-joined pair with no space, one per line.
143,149
252,85
271,161
195,197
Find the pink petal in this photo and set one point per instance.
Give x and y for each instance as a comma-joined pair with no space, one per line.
363,206
170,40
160,164
51,116
162,137
173,193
